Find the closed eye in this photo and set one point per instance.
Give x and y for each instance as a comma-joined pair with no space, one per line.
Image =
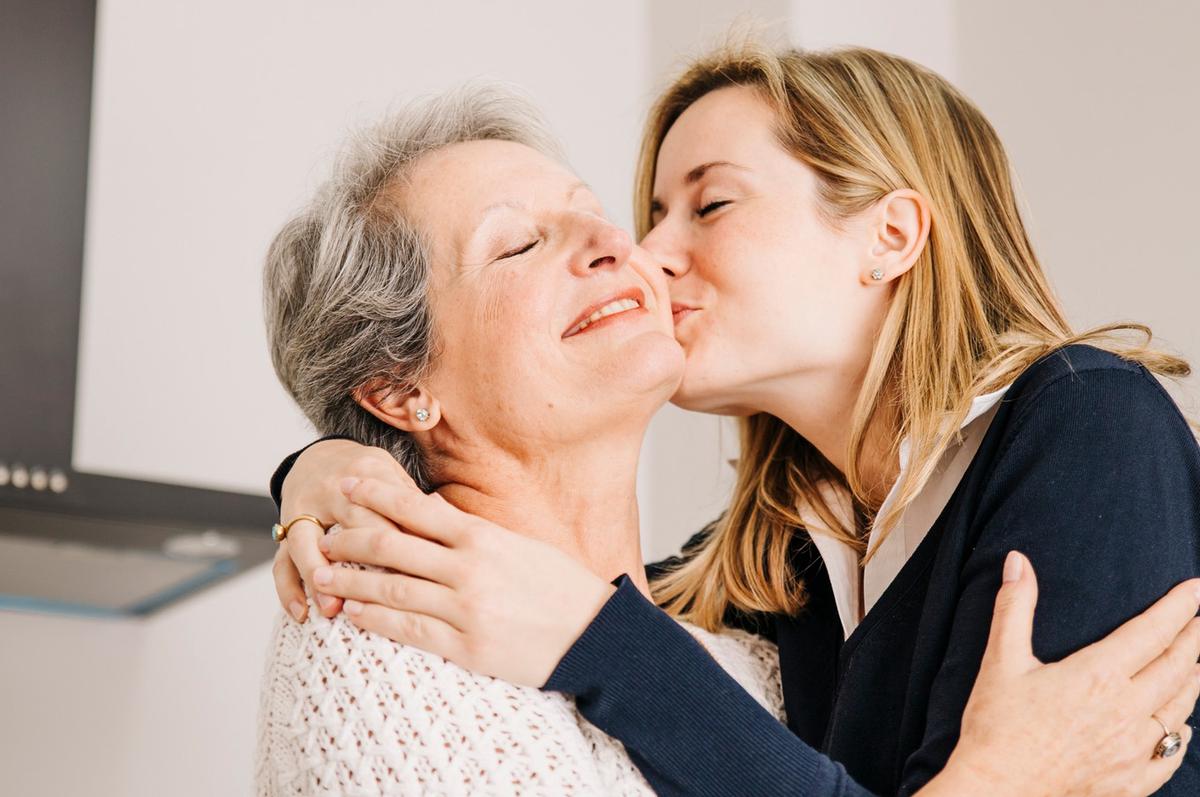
519,250
711,207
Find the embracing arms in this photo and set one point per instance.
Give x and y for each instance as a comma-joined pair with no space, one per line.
637,675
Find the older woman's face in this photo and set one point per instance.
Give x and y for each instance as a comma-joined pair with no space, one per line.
553,326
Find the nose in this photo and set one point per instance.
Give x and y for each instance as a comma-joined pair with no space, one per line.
605,246
670,254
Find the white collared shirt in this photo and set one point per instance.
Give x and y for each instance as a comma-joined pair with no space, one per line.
841,561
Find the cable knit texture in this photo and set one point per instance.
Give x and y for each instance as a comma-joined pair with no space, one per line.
348,712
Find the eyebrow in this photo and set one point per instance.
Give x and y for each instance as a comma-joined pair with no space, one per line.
694,176
512,205
571,192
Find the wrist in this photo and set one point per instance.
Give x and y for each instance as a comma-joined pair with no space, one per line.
966,775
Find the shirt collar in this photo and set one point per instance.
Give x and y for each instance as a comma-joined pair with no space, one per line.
841,560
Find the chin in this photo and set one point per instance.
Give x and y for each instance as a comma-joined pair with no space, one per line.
702,390
649,365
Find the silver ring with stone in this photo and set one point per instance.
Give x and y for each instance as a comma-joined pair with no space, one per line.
1171,742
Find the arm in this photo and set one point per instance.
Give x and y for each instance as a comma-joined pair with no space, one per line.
1099,485
686,724
982,762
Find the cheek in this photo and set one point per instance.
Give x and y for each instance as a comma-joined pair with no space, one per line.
489,331
784,297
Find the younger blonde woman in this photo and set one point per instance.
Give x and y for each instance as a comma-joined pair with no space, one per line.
850,274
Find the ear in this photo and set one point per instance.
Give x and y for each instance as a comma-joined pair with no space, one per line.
898,233
411,411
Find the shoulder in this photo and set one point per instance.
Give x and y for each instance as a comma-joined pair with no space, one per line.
333,691
325,659
749,659
1093,391
1091,448
1076,365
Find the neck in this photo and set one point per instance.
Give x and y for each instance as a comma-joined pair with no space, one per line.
581,498
820,408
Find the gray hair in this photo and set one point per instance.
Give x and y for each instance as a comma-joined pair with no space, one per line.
346,280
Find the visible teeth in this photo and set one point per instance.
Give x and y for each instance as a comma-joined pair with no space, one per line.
612,308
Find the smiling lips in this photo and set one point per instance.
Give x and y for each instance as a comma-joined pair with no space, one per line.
622,303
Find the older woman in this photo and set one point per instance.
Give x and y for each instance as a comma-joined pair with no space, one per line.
456,296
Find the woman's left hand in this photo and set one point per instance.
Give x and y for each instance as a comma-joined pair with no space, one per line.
477,594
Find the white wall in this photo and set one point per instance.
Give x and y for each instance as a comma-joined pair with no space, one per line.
922,31
1098,106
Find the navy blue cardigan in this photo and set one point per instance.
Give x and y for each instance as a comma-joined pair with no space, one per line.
1088,468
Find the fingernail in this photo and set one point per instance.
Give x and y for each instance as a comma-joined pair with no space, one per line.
1013,567
352,607
326,601
323,544
323,575
348,484
297,610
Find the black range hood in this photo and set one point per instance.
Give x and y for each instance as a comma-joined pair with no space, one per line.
71,541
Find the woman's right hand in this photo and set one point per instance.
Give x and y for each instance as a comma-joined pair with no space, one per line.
311,488
1082,726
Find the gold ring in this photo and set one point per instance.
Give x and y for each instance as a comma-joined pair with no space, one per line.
279,531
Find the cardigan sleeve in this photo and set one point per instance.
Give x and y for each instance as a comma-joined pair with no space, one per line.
691,729
1098,483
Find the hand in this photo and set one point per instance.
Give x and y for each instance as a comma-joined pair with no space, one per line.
311,488
470,591
1082,726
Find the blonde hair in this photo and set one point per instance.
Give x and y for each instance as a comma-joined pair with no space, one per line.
973,313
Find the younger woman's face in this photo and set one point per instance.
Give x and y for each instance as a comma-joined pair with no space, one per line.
765,290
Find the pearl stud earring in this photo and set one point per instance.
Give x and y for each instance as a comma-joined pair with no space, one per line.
422,415
877,274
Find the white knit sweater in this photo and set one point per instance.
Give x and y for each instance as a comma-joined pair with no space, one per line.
348,712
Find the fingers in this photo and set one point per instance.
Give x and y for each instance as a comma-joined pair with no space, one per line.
1010,642
1160,770
288,586
1175,712
353,516
1144,638
408,628
312,485
430,516
302,540
393,590
406,553
1164,676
